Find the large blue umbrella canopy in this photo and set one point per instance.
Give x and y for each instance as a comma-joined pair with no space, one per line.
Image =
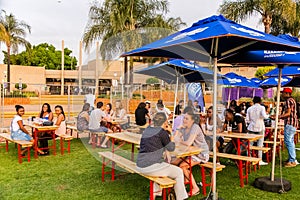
198,41
286,71
273,82
266,57
256,81
211,39
184,70
238,81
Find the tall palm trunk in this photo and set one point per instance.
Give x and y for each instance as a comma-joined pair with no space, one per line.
267,21
8,69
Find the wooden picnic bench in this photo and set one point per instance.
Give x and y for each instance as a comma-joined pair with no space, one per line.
208,166
130,166
242,164
20,143
65,137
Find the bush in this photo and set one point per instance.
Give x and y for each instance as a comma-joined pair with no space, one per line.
17,86
17,94
152,80
138,96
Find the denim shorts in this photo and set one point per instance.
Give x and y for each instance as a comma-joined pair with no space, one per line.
20,135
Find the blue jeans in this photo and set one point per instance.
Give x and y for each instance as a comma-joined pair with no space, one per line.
289,133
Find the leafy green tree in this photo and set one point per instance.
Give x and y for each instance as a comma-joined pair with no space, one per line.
263,70
12,33
43,55
287,26
152,80
122,25
241,10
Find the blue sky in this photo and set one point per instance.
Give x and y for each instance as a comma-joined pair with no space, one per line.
53,22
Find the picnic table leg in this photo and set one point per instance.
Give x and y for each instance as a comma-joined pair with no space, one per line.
35,143
19,154
190,165
103,167
113,164
69,146
164,194
28,154
151,191
61,146
132,152
203,180
6,145
54,143
240,163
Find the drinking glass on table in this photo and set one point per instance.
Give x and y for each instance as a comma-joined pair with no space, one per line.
229,129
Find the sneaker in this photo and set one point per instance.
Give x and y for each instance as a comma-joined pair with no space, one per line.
290,164
297,162
262,163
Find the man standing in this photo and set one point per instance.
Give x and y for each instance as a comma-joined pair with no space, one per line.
90,98
290,125
255,117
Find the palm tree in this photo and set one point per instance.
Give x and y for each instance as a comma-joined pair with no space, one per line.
12,33
122,25
243,9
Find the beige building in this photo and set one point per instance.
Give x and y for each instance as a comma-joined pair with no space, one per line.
49,81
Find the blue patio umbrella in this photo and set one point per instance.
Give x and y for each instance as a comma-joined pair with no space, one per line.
256,81
273,82
286,71
211,39
235,80
177,71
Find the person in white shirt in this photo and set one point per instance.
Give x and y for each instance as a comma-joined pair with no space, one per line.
255,117
96,117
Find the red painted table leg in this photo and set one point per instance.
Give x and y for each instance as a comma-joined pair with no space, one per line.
54,143
35,143
190,165
28,154
62,146
113,164
132,152
6,145
69,146
203,180
151,191
19,154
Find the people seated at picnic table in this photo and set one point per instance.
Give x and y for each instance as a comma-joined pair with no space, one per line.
150,110
160,107
60,120
45,114
179,107
108,111
141,114
120,114
190,134
18,131
155,140
97,116
237,124
255,117
83,118
178,121
232,105
207,126
196,106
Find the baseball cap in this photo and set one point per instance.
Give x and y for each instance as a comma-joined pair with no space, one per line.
287,90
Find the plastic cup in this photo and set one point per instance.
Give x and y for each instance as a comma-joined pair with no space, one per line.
229,129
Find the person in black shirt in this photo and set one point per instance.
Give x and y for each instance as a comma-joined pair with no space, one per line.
236,121
155,140
179,107
140,114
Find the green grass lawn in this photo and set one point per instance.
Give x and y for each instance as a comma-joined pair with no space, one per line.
78,176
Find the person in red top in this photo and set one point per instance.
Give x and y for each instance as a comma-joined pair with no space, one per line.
290,125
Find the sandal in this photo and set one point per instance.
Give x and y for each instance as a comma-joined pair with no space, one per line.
40,152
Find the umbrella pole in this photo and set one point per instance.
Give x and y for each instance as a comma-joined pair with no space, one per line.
184,94
238,94
229,94
175,100
276,123
215,94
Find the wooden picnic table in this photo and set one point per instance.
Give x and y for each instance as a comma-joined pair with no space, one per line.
180,151
238,137
36,129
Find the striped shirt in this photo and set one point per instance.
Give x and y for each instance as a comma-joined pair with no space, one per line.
292,120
